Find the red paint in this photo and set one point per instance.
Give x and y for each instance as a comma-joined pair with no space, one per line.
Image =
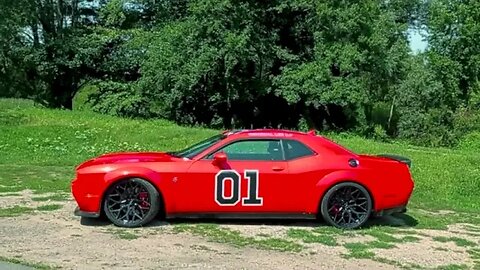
295,186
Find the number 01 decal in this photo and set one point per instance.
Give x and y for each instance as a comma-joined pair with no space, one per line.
235,180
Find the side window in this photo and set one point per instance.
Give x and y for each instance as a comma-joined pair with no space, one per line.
295,149
253,150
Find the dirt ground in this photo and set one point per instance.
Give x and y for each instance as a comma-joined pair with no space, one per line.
58,238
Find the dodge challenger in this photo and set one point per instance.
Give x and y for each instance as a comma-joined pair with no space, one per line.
259,173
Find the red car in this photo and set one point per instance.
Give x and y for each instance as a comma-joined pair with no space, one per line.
245,173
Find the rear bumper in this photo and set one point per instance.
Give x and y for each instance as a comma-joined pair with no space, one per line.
81,213
389,211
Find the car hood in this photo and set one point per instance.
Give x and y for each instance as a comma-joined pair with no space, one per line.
127,157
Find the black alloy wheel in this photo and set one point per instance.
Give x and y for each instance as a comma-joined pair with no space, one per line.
346,205
131,202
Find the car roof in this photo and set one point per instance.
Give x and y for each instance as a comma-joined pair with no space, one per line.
310,137
267,132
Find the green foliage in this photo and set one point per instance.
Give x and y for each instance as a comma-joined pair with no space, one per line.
225,63
470,141
81,100
119,99
454,38
330,65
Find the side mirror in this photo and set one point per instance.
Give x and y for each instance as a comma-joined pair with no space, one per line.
219,158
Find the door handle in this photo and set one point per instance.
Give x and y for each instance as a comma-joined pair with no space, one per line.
278,168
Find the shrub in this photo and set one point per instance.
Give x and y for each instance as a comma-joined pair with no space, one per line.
471,141
120,99
430,128
80,101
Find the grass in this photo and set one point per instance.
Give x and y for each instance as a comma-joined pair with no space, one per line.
475,255
55,197
308,236
359,251
385,235
15,211
124,234
40,179
461,242
19,210
38,266
453,267
10,194
222,235
49,207
472,228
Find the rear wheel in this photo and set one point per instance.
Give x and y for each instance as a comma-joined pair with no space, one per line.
346,205
131,202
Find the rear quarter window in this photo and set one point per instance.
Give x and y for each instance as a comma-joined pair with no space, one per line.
295,149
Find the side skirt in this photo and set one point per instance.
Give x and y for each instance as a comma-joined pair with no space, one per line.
244,215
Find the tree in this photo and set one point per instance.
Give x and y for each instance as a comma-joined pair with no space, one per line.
357,57
454,46
14,71
209,67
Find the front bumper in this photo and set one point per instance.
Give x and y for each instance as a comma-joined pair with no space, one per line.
81,213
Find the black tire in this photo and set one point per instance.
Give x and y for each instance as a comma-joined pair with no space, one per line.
131,203
346,205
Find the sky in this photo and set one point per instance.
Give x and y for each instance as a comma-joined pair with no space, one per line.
417,44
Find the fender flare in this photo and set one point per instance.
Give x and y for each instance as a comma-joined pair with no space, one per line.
333,178
133,172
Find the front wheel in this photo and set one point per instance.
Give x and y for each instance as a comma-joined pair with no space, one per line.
346,205
131,202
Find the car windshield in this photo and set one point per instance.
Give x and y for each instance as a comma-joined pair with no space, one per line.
197,148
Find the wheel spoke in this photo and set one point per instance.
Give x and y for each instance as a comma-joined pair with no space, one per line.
348,207
128,202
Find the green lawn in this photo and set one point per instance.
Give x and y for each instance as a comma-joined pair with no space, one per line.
40,147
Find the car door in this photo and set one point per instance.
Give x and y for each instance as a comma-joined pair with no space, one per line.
305,170
250,180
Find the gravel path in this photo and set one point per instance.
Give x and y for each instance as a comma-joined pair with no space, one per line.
58,238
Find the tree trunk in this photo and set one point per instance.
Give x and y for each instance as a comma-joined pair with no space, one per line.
36,40
391,113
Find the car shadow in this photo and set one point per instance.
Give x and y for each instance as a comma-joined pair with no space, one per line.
101,221
256,221
401,220
394,220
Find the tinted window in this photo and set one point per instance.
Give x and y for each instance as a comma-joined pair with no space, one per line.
197,148
253,150
295,149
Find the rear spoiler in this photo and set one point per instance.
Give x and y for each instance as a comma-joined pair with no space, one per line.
398,158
